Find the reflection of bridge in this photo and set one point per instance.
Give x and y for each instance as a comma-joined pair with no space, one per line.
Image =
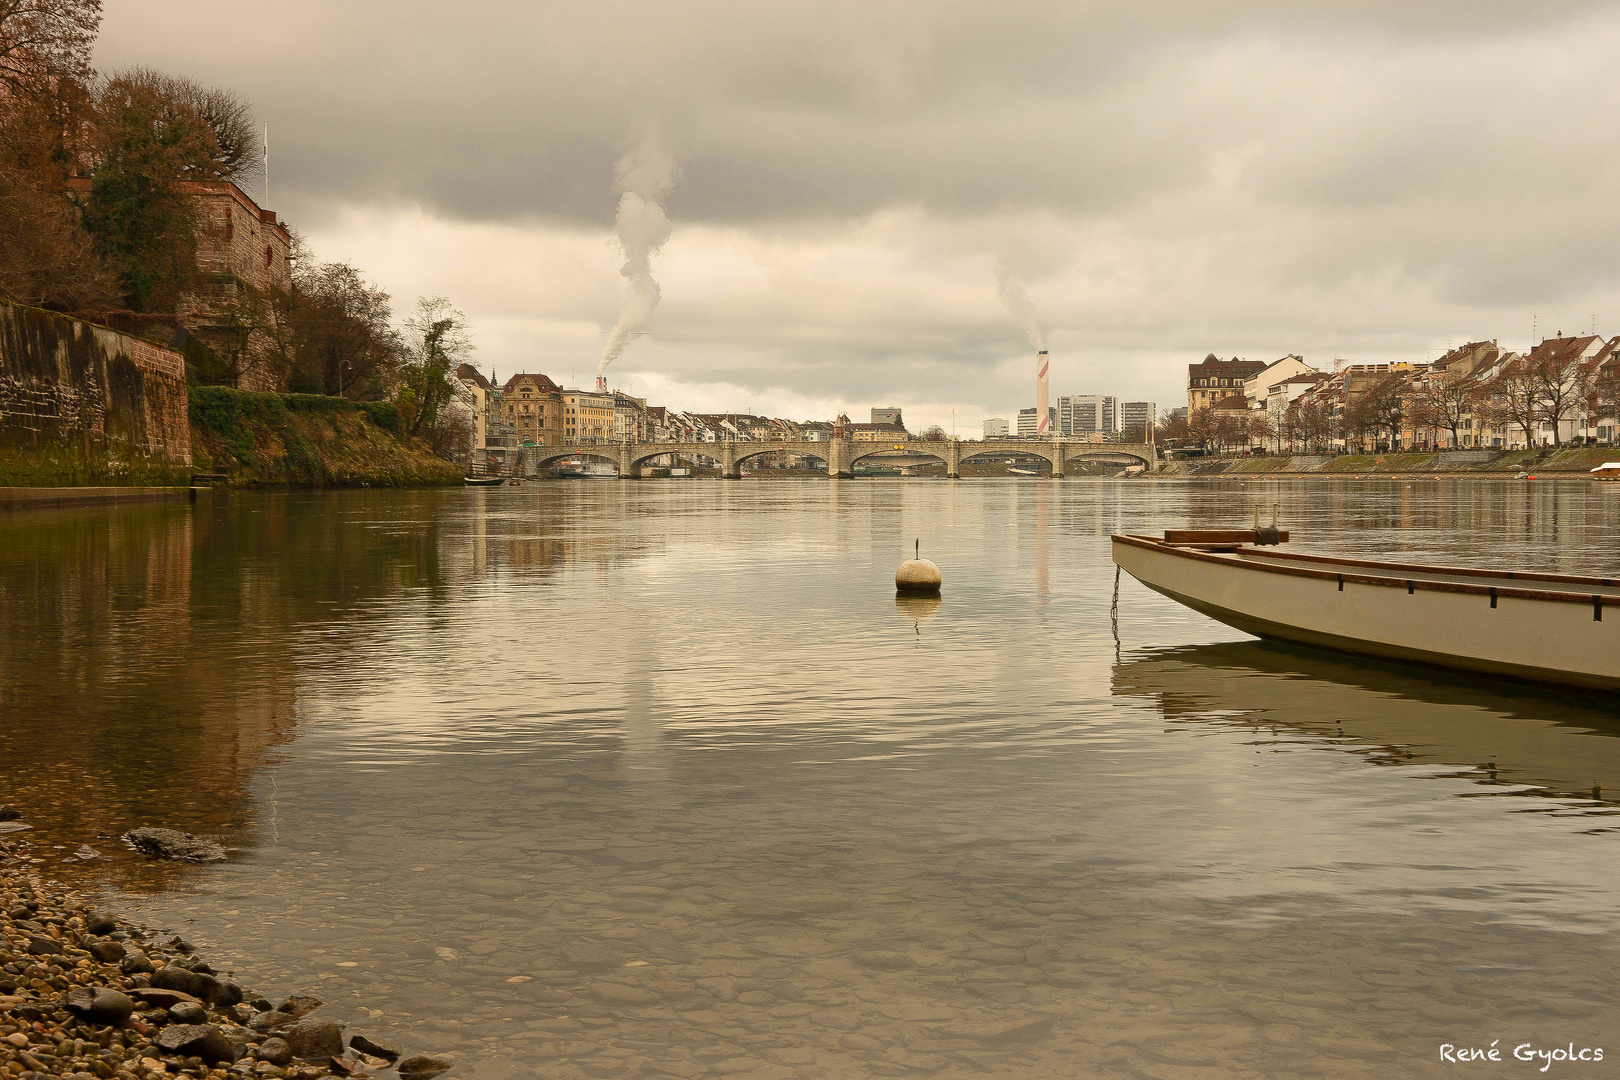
842,454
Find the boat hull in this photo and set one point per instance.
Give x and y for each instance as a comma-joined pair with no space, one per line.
1463,627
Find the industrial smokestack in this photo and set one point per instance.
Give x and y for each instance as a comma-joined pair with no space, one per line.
1043,412
601,384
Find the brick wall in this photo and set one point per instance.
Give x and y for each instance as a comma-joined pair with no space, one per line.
113,397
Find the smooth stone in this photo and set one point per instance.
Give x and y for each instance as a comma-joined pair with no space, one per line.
188,1012
100,925
100,1004
108,952
9,812
160,998
422,1067
197,1040
300,1005
275,1051
917,575
315,1038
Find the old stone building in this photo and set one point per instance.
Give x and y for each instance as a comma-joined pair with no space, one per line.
588,416
1215,380
534,409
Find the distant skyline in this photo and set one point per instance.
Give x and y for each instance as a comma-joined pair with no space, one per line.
1368,181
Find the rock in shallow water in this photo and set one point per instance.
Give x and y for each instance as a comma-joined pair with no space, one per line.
314,1038
9,812
386,1051
173,844
422,1067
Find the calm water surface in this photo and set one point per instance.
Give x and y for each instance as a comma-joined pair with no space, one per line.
659,779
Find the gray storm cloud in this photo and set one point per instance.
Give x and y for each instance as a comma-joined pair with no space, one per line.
645,174
1016,300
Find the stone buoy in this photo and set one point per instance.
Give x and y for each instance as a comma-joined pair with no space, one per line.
917,575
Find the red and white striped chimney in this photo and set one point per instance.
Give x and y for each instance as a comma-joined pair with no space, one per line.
1043,411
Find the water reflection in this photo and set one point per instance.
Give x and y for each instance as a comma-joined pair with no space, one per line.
1505,735
661,779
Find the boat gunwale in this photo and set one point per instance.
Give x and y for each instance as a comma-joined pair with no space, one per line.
1410,584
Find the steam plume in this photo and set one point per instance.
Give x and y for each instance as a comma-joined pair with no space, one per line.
1019,305
644,176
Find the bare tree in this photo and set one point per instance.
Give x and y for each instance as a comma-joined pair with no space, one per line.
342,331
1445,402
1559,383
42,41
1515,400
934,434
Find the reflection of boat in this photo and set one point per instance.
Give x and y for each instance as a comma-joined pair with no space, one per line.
1512,736
484,481
589,470
1608,471
1545,627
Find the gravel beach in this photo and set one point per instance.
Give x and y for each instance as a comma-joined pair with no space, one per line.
86,994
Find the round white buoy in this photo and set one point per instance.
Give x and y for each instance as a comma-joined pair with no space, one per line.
917,574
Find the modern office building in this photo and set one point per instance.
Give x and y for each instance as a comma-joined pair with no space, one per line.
888,415
1027,426
1088,414
995,428
1138,416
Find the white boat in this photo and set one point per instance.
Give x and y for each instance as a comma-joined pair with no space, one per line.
1609,470
587,470
1550,628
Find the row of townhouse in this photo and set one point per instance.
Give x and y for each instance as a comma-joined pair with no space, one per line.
529,409
1478,395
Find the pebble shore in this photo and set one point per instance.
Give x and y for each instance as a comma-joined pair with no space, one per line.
87,995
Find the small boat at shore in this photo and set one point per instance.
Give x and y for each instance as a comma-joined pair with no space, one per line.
1608,471
484,481
1550,628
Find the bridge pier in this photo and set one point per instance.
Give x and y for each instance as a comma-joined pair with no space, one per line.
953,460
629,469
729,469
1059,460
839,455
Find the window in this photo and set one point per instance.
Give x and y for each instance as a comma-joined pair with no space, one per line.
230,225
269,256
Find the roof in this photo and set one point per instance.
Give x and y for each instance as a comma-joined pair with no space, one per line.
1230,369
468,373
541,380
1236,401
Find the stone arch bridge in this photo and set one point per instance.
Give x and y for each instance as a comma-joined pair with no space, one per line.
842,454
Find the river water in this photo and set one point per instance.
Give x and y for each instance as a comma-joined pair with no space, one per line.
660,779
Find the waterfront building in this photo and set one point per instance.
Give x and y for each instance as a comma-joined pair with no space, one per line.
995,428
476,404
629,417
1257,388
588,416
534,408
1087,414
1215,380
1138,416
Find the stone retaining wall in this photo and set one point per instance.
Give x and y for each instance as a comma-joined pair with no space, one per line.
70,390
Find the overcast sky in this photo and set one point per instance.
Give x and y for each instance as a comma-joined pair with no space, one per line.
1368,181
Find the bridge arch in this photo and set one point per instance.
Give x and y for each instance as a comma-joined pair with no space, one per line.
679,450
1031,451
543,456
783,450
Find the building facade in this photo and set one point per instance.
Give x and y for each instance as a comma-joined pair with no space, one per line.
588,417
995,428
533,408
1140,416
1215,380
1087,414
1029,427
888,415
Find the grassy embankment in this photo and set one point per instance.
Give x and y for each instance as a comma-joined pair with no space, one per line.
308,440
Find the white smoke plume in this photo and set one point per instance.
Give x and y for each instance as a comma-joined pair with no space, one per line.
644,176
1019,305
